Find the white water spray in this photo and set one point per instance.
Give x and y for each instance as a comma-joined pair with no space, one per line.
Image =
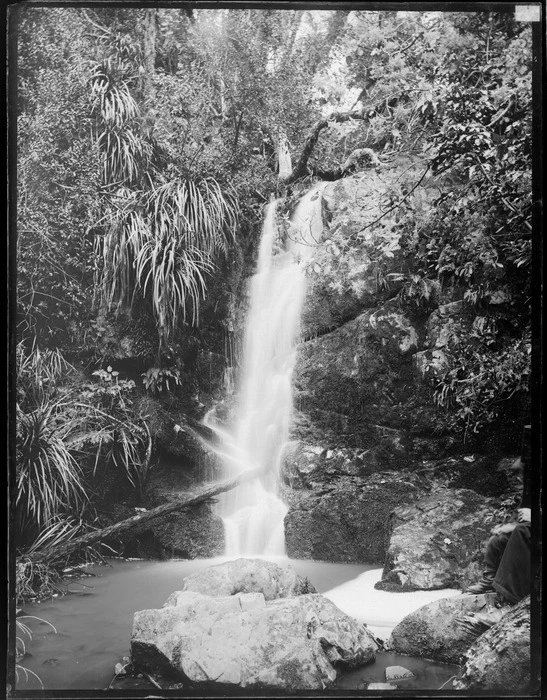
253,514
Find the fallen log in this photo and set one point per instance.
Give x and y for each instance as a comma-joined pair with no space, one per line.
61,551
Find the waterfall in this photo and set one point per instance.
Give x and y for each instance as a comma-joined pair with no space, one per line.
253,513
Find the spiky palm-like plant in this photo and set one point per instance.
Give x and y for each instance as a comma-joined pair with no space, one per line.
199,213
190,223
117,251
122,153
38,373
48,478
172,277
162,239
165,248
123,150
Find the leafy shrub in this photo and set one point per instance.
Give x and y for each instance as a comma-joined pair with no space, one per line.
156,379
109,432
480,382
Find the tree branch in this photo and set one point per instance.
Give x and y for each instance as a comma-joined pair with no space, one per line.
187,500
503,199
397,204
300,168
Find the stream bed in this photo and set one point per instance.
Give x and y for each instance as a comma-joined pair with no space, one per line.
93,622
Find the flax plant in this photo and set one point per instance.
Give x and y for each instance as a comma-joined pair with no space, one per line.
165,249
172,276
119,142
48,478
160,240
126,233
38,373
199,213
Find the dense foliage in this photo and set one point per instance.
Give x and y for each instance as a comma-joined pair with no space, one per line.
148,144
478,241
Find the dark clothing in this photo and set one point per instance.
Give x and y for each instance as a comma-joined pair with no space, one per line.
508,560
526,459
508,555
513,576
494,552
526,498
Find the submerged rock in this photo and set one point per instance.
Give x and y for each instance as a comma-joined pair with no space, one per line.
246,576
298,643
433,631
438,542
499,660
398,673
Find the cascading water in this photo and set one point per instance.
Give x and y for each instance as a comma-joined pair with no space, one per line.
253,513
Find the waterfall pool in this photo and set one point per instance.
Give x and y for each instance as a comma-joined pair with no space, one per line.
93,623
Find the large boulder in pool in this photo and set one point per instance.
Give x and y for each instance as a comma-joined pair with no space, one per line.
347,520
438,542
246,576
245,641
435,631
499,660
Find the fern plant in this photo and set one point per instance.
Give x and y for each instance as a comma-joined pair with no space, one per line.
156,379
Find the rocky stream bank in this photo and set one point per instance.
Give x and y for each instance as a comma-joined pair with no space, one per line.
372,474
250,625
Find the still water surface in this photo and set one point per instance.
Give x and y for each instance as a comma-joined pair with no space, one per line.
94,623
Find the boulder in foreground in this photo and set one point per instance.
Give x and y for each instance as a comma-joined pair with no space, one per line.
499,660
438,542
433,632
244,641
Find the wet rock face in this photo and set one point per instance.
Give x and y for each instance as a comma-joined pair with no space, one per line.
427,521
499,660
307,466
347,521
363,372
224,642
190,535
345,277
433,632
438,542
368,356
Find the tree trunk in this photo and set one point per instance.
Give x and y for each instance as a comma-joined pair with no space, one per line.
336,25
222,94
187,500
301,167
149,54
284,157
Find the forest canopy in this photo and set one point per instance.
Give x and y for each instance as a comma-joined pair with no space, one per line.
150,114
148,142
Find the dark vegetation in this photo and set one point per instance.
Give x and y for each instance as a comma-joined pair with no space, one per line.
148,143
